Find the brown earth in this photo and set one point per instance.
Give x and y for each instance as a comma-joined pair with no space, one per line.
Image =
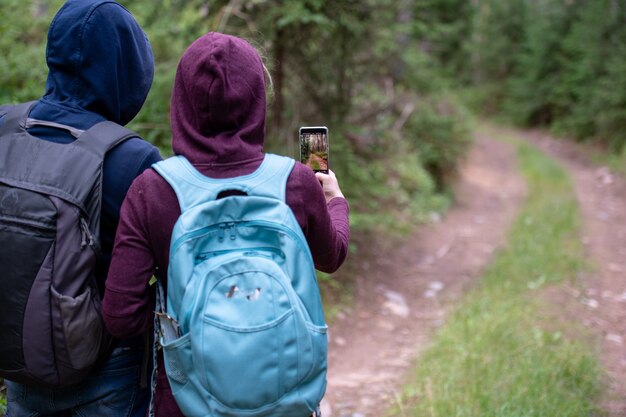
598,299
406,287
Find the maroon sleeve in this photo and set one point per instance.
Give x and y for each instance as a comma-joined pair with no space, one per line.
128,304
326,226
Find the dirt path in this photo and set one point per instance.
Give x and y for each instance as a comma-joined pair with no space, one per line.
599,299
405,290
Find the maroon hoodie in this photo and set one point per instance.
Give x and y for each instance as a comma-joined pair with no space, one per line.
218,123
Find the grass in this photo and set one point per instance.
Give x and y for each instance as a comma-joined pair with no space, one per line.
3,398
502,353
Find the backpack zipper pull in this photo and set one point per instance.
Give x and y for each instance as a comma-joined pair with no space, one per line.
221,233
231,227
87,238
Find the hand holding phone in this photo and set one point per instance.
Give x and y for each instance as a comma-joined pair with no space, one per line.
314,148
330,185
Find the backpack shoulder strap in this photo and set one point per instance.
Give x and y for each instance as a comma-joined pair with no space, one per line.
15,118
193,188
272,180
68,171
103,136
99,139
180,175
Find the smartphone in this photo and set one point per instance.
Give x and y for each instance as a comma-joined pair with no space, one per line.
314,147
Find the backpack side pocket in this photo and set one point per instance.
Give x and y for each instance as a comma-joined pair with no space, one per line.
81,326
177,353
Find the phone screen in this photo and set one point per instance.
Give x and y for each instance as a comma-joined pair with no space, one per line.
314,148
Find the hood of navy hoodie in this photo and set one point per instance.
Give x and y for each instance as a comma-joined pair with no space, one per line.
218,102
100,65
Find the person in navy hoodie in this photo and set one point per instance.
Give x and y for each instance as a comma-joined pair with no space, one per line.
218,110
100,68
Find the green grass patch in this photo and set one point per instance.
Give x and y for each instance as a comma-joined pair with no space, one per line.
3,398
502,353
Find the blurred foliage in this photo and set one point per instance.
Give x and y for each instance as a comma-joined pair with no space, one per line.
3,399
373,71
24,26
559,64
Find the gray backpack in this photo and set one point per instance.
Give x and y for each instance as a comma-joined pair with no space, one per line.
50,197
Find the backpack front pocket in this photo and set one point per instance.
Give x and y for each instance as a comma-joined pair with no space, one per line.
256,345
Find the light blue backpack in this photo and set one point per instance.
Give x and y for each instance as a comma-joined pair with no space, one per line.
244,332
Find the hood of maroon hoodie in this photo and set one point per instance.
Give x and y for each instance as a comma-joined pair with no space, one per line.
218,102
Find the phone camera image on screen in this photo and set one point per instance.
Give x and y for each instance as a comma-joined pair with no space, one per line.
314,148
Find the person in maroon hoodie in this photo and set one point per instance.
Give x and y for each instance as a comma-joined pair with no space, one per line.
218,123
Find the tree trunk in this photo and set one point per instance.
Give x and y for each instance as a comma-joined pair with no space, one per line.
276,124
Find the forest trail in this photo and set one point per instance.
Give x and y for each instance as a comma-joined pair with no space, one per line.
599,298
405,290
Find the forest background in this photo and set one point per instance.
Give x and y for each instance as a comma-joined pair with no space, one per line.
396,81
399,83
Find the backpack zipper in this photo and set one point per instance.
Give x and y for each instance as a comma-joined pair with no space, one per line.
87,237
19,221
222,231
256,251
220,227
224,226
276,226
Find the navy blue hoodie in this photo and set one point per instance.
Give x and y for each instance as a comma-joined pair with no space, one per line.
100,68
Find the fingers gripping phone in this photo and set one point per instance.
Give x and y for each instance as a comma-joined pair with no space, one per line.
314,148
